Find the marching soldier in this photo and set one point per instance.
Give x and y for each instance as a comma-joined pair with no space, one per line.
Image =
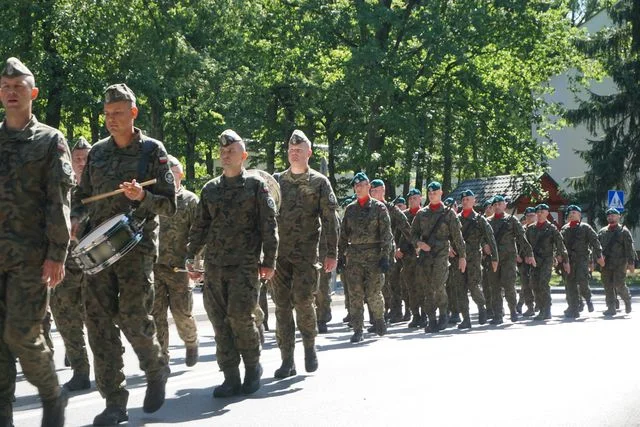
413,287
308,205
236,220
581,241
487,212
323,296
453,286
434,232
365,242
545,241
524,270
619,256
34,235
340,268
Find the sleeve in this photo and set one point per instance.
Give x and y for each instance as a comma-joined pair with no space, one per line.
629,250
343,240
329,218
594,242
268,226
403,226
416,229
521,239
58,205
199,228
161,198
386,236
561,249
455,230
82,191
489,238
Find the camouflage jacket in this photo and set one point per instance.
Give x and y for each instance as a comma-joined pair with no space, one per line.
236,219
308,205
174,230
546,241
581,240
406,246
366,231
508,233
400,227
448,231
617,244
477,232
107,167
35,181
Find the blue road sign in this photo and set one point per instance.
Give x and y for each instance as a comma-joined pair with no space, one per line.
616,200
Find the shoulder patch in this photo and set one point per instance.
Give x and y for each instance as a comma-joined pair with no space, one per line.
332,198
168,176
271,203
162,159
66,168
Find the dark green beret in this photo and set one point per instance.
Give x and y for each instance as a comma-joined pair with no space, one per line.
229,137
529,210
119,92
414,192
449,201
542,207
377,183
612,211
298,137
571,208
15,68
467,193
81,144
497,198
434,185
358,178
400,200
347,200
487,203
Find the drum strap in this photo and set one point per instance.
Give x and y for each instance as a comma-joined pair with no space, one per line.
147,147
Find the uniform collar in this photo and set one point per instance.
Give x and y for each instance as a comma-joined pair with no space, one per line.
24,134
289,175
136,142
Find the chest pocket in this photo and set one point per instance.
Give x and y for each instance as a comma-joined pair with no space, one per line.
32,159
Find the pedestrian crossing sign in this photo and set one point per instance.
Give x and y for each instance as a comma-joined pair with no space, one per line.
616,200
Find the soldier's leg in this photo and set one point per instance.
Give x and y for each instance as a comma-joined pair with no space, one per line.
356,275
582,277
607,277
46,327
386,292
396,292
621,288
508,279
486,285
304,284
243,288
181,305
441,301
527,287
415,287
7,359
161,306
472,279
571,291
494,279
26,302
347,299
544,270
323,298
462,297
452,290
282,295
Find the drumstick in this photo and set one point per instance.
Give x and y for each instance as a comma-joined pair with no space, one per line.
114,192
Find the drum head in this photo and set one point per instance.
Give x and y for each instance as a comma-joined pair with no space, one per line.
100,232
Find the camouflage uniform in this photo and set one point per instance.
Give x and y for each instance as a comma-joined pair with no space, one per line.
392,289
365,239
433,266
545,241
526,290
619,252
236,221
476,232
323,296
510,238
413,287
35,180
120,297
308,205
172,289
580,240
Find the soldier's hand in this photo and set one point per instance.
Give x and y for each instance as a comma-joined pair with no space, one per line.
330,264
384,264
266,273
530,260
190,266
487,250
52,273
133,190
74,228
452,253
600,261
399,254
423,246
518,259
567,267
632,268
494,266
462,264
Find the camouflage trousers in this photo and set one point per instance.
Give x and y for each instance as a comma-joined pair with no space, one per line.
540,278
23,303
526,290
503,279
294,287
345,288
365,282
396,285
414,286
486,286
67,305
469,282
576,283
453,285
173,291
231,300
323,297
613,278
120,298
433,272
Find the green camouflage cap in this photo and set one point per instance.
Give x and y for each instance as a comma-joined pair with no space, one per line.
572,208
119,92
467,193
15,68
298,137
400,200
81,144
414,192
542,207
229,137
530,210
612,211
377,183
434,185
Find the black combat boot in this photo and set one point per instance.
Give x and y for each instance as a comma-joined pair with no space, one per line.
571,313
6,421
490,313
610,311
443,322
396,317
407,315
356,337
514,315
347,319
423,320
432,327
519,306
482,315
497,320
252,375
627,306
231,385
53,410
545,313
286,369
466,321
154,396
111,416
78,382
322,327
454,319
380,327
310,359
371,329
192,356
530,312
589,306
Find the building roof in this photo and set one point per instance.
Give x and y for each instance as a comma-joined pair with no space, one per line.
510,186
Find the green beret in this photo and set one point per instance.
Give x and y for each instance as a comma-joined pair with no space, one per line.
612,211
119,92
571,208
298,137
434,185
358,178
229,137
467,193
449,201
347,200
542,207
414,192
15,68
377,183
529,210
81,144
497,198
487,203
400,200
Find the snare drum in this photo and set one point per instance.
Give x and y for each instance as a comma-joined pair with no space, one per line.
107,244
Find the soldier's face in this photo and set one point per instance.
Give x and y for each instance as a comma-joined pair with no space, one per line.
488,211
362,189
531,218
401,206
378,192
232,156
177,176
499,207
574,216
542,215
16,93
79,161
613,218
119,116
299,154
434,196
468,202
415,201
